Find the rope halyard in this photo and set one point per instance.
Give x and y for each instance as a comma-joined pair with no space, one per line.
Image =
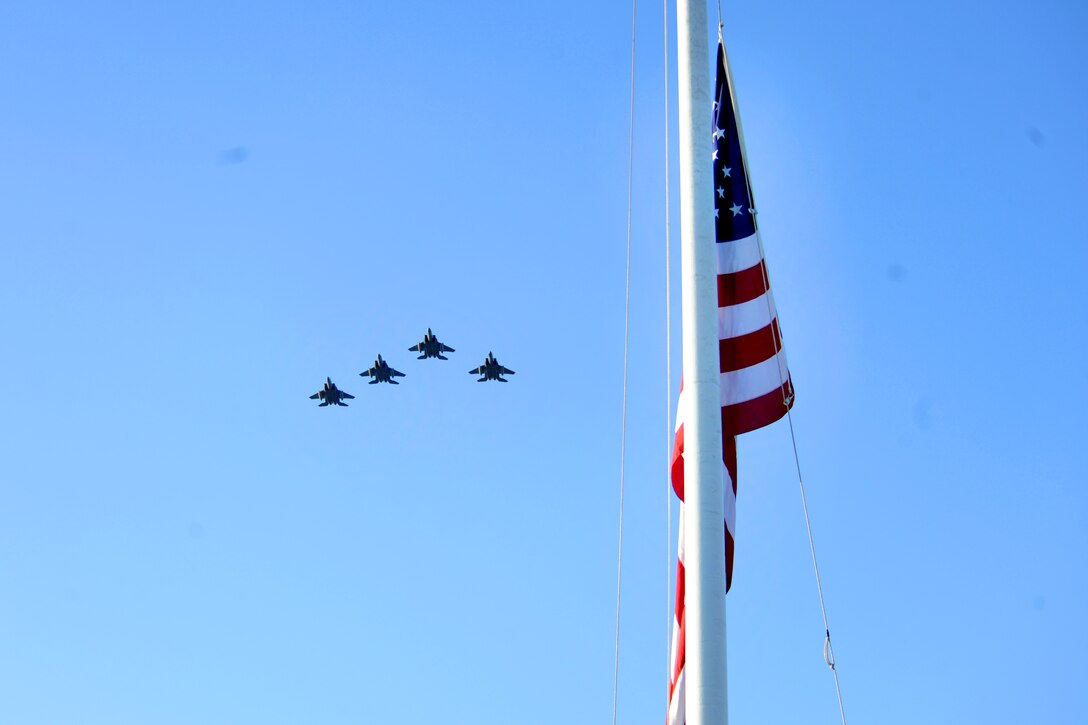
668,380
829,655
626,335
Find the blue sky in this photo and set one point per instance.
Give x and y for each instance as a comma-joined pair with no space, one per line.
206,210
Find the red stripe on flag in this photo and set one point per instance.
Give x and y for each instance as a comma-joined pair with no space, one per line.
677,467
742,286
678,663
729,457
737,353
680,588
757,412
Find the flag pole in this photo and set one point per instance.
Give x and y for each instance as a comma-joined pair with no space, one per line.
704,536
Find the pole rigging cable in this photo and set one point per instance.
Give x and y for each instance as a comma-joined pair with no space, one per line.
668,375
626,336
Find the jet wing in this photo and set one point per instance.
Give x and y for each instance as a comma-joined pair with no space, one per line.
477,371
505,371
397,373
316,395
442,347
369,373
418,347
349,396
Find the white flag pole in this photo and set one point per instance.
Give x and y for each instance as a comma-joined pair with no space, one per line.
704,534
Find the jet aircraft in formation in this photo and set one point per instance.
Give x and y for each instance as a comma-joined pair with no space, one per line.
491,370
431,347
331,395
382,373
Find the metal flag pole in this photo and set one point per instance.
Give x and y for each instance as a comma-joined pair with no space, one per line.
704,536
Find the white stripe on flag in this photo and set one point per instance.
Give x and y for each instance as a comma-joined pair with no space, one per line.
680,543
739,255
751,382
737,320
676,707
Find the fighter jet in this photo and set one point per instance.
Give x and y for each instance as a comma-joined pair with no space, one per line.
382,373
330,394
491,370
431,347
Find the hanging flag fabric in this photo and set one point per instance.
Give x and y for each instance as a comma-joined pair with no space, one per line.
756,389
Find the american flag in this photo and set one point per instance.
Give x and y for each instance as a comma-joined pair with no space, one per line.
755,383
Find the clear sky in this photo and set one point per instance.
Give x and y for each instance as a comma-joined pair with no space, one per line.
207,208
